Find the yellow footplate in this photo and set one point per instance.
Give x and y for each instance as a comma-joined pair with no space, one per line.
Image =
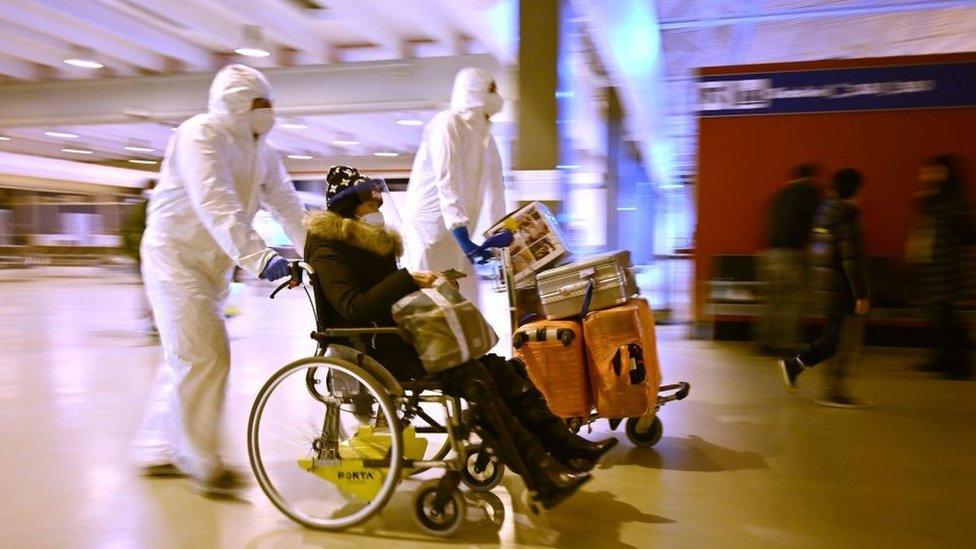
348,472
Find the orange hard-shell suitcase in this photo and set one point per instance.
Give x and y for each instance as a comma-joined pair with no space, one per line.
552,351
622,355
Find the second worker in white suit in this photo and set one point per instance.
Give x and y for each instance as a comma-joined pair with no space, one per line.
456,188
218,171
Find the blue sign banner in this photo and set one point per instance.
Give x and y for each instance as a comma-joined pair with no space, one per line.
838,90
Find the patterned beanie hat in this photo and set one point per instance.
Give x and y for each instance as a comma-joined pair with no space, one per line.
346,188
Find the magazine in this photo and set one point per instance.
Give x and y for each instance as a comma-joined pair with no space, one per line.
538,240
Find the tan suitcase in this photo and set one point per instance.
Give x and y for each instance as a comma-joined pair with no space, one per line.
623,366
553,355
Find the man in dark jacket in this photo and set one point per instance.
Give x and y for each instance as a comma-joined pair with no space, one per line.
354,256
840,288
942,261
783,265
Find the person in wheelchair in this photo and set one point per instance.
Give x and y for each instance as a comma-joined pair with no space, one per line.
354,255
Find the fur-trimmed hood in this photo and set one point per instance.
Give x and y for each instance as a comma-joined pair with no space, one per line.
382,241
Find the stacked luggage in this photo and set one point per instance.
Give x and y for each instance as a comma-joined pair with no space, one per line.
597,346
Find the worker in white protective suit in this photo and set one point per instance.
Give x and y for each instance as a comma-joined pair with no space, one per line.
218,171
456,187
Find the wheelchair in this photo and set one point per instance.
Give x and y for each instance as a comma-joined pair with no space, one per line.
331,436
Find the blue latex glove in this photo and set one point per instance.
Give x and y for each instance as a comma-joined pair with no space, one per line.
464,240
276,268
485,252
470,249
482,254
501,239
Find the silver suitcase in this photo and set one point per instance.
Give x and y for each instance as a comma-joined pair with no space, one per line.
563,289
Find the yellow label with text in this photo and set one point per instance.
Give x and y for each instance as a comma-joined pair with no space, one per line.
350,474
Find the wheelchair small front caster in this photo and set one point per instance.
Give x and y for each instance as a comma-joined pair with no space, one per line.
482,470
643,436
444,522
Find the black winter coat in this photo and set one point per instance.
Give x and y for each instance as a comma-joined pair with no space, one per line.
837,257
359,282
791,215
945,279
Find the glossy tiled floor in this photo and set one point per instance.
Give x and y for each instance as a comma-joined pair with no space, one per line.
742,464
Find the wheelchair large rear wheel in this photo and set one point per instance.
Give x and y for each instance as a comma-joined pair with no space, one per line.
318,457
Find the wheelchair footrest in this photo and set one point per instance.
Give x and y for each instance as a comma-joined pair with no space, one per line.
363,459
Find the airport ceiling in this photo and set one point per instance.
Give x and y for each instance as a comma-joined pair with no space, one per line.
51,50
151,44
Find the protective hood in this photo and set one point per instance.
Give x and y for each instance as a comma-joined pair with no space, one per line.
233,89
470,90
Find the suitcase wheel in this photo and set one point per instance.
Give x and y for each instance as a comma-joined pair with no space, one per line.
566,337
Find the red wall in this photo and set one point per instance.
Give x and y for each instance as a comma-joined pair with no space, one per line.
744,160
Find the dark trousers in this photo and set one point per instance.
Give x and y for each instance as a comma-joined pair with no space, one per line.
785,273
475,384
505,401
839,342
951,342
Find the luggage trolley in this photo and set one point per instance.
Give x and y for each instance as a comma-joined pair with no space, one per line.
644,431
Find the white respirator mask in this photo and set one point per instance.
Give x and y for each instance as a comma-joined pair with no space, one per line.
374,219
493,104
261,120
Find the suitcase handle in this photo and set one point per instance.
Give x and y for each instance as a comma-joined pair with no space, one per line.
636,375
564,336
588,298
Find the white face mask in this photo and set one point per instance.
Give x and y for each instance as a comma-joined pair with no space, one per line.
262,120
375,219
494,104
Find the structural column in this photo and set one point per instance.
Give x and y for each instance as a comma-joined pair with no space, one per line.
536,150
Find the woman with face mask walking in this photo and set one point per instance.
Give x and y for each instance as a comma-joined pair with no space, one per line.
218,171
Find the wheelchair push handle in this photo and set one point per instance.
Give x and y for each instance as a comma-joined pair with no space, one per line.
298,269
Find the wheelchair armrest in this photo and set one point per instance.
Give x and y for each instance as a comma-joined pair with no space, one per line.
339,333
422,384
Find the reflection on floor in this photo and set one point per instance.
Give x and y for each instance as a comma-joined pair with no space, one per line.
742,464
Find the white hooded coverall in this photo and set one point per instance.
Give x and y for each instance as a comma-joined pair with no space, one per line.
213,180
456,181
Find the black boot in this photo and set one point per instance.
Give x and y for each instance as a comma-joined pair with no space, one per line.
503,430
553,482
549,478
578,454
587,454
526,402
